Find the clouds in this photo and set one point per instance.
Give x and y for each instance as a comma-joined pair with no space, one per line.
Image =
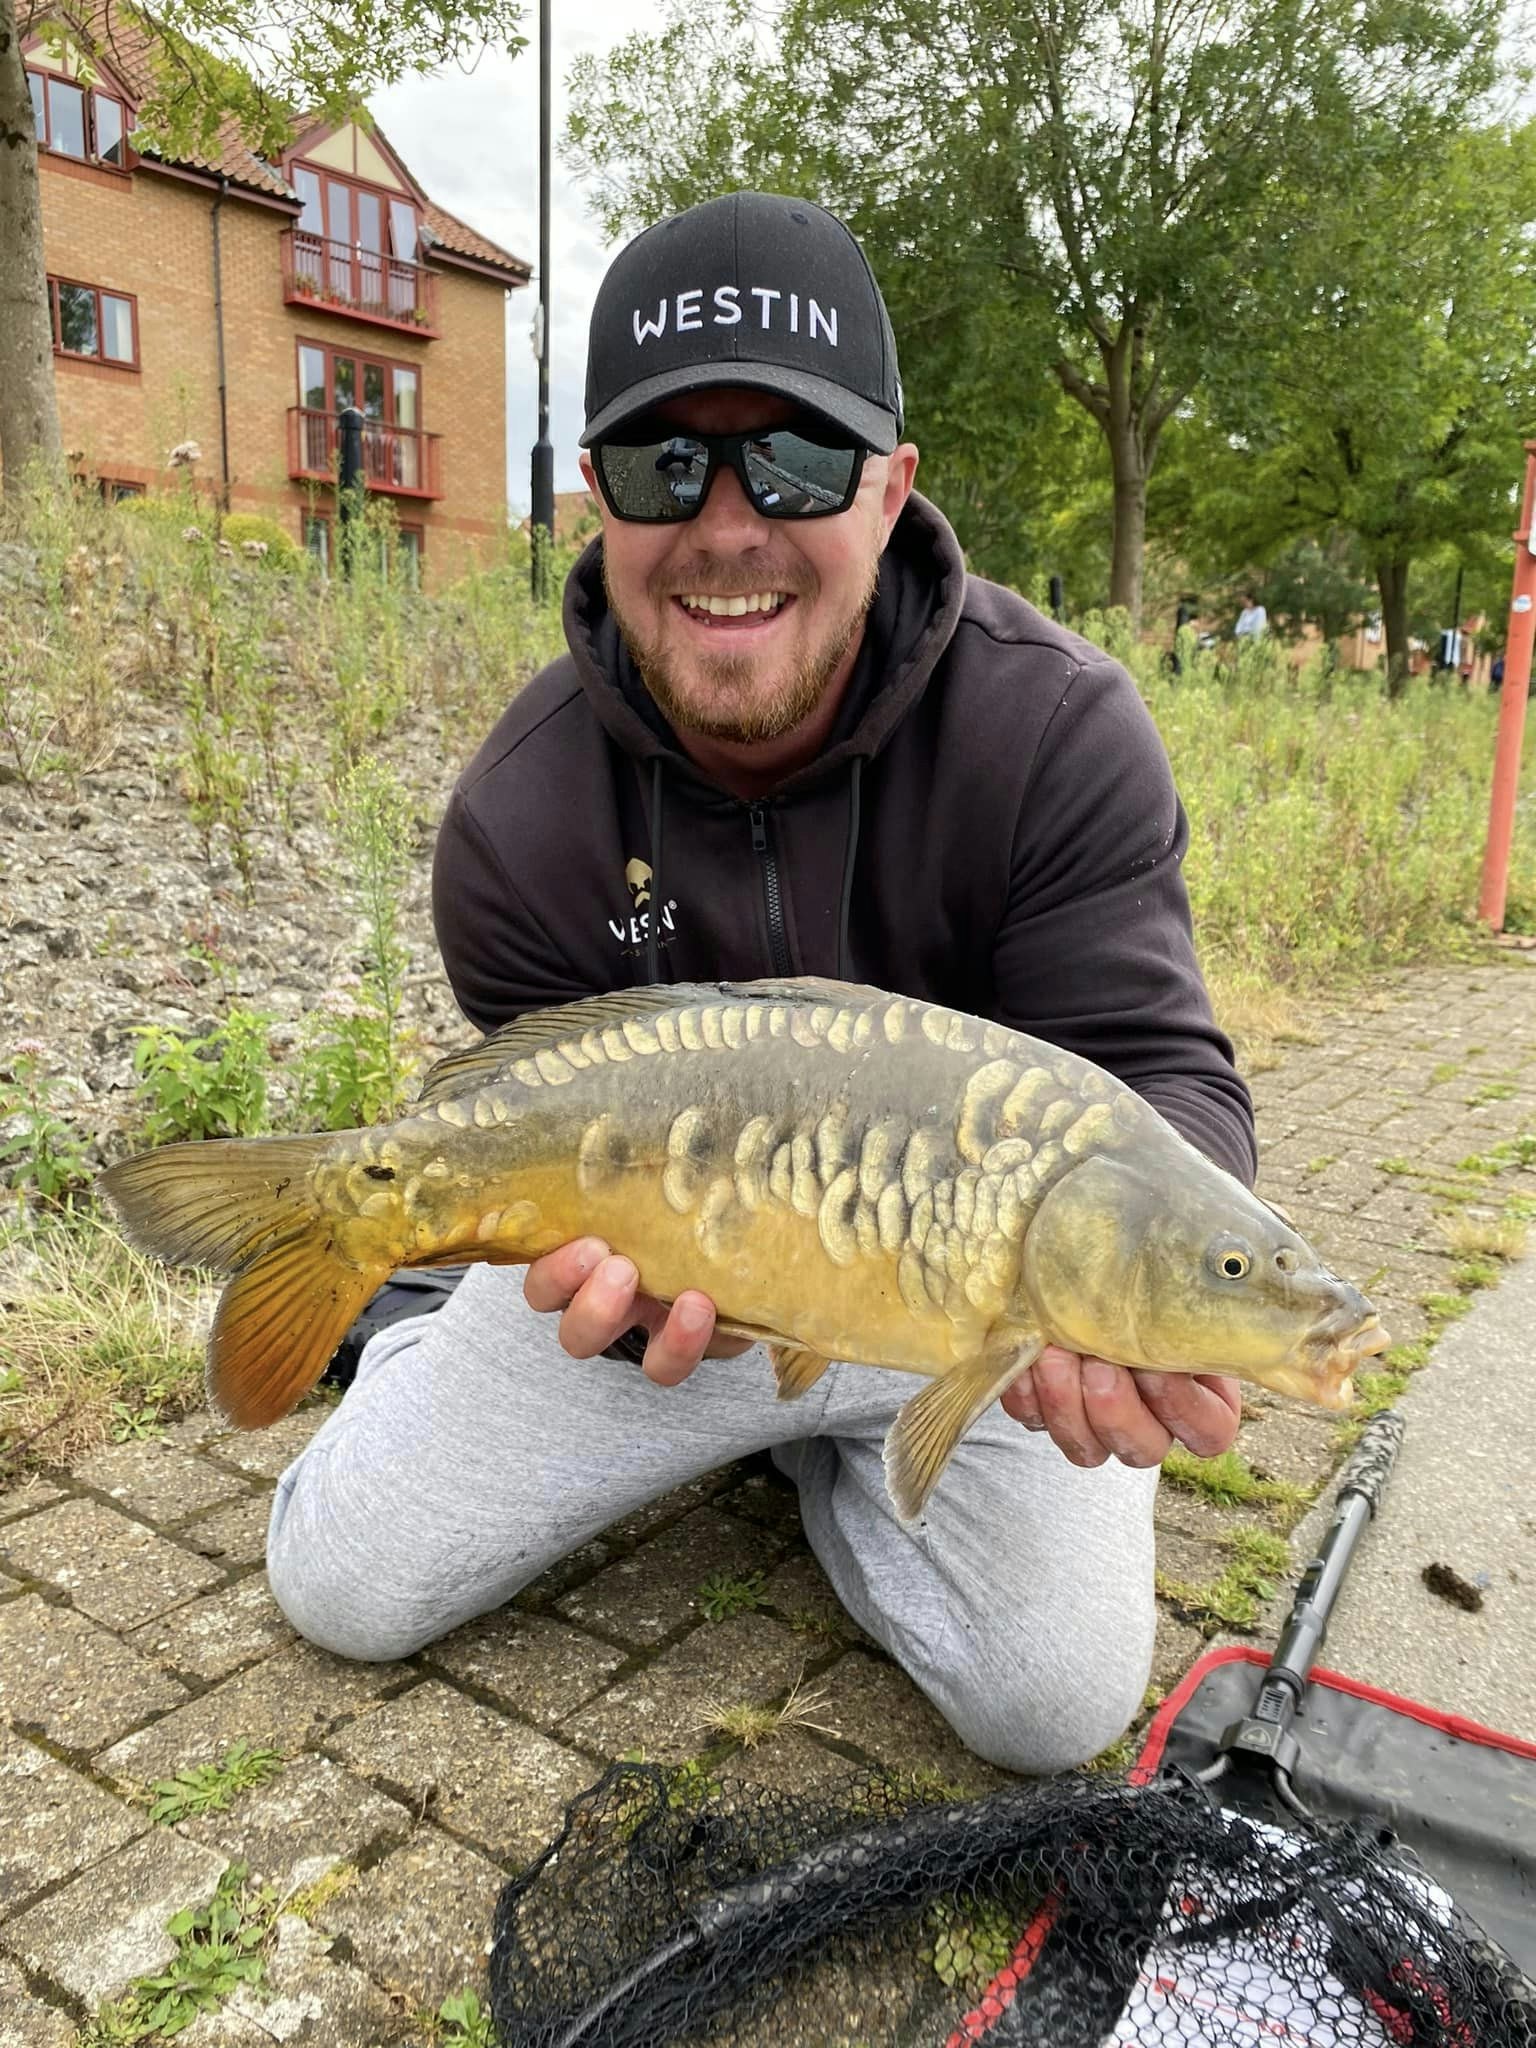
472,138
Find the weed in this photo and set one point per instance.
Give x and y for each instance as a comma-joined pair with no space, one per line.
211,1086
724,1593
92,1328
1232,1600
1231,1481
1491,1091
1321,1164
1472,1274
1444,1308
375,827
1498,1237
1446,1071
749,1724
311,1898
43,1151
971,1943
805,1621
1114,1761
218,1948
461,2018
209,1788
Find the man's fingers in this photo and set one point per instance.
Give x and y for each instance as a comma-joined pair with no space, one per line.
550,1282
602,1309
1020,1400
1202,1410
1058,1380
679,1342
1118,1416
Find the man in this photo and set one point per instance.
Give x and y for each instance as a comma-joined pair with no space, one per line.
791,736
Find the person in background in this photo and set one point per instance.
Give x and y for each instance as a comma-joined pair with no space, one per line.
1252,620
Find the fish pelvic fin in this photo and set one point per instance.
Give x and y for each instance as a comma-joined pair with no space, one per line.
245,1207
796,1369
922,1439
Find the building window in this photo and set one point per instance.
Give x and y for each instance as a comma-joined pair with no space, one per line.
395,452
88,321
73,120
400,548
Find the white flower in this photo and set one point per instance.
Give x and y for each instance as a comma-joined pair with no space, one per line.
225,548
191,533
183,454
254,548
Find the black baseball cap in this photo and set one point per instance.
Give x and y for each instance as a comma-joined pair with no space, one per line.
750,289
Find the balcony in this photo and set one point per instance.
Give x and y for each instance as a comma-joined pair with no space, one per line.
400,460
358,284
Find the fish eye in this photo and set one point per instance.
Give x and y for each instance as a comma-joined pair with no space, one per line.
1233,1264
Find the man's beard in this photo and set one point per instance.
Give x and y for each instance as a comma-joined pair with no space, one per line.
755,708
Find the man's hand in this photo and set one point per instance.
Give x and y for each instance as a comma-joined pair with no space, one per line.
1093,1411
597,1294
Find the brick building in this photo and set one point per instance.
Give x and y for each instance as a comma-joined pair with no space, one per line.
241,304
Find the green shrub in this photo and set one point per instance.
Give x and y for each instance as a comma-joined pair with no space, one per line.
248,531
212,1086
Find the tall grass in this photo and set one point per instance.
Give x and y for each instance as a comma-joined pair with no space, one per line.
1333,831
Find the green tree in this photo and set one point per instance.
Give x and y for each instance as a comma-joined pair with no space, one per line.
1392,378
323,57
1108,175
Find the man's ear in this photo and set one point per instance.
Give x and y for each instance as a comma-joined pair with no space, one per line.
585,462
900,471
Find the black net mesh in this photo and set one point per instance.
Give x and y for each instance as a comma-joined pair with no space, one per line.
674,1907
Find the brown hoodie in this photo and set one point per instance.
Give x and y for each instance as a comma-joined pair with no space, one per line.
993,825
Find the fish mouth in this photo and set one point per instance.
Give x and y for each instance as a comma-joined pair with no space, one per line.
1322,1371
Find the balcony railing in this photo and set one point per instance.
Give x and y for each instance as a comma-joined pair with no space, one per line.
398,459
359,284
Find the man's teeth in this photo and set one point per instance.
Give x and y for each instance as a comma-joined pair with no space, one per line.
734,607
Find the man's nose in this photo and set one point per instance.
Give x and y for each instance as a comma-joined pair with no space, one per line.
728,521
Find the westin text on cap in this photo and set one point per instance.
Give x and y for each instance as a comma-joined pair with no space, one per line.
751,289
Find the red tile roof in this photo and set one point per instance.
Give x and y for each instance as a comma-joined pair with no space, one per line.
115,38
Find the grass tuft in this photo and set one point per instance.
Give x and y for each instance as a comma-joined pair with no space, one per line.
1230,1481
749,1723
101,1343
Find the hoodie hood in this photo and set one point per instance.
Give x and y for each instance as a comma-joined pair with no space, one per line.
916,607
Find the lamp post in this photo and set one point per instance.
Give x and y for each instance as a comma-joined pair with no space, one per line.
542,522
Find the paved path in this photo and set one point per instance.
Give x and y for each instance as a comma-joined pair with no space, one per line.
137,1637
1462,1496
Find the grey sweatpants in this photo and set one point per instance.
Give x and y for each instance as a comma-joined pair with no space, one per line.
470,1453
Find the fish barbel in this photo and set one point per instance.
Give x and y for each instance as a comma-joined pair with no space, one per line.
846,1173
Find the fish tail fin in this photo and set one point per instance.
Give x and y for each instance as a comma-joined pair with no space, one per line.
922,1439
245,1207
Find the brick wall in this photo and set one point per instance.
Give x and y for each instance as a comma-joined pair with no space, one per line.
152,236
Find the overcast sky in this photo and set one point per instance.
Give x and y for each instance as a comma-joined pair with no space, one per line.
473,141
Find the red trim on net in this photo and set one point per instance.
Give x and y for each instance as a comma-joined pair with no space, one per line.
1456,1725
1000,1993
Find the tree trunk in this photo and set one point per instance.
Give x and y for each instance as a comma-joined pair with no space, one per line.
1392,582
1129,538
29,413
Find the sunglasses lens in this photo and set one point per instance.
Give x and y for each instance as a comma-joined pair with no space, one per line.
655,479
794,477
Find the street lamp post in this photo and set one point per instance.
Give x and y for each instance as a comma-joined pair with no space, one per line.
542,523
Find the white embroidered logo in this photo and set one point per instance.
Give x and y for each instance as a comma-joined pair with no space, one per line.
775,309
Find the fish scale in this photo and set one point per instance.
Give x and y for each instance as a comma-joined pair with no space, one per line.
847,1173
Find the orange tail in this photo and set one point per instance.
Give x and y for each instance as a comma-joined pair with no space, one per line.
244,1206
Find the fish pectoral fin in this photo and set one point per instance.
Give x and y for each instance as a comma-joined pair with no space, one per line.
278,1325
796,1369
922,1439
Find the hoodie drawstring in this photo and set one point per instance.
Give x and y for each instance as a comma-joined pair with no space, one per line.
653,925
844,960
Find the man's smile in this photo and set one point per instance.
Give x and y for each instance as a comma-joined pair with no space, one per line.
754,615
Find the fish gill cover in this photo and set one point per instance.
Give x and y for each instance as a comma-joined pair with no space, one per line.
1068,1913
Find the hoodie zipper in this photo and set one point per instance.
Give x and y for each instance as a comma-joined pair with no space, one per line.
778,938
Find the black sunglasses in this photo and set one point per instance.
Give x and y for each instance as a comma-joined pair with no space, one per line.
652,476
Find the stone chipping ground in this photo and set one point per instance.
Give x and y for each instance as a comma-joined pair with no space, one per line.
137,1636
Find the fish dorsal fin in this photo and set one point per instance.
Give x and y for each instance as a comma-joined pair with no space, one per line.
802,988
474,1065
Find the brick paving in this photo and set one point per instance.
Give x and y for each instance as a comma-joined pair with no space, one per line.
137,1635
